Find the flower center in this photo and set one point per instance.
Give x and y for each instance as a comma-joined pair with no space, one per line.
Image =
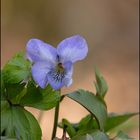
60,68
58,73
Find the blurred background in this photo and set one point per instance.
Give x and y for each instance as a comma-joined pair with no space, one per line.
111,30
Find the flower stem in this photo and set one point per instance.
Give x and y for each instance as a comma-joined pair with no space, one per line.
55,119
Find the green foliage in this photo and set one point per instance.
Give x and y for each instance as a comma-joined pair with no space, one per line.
85,137
2,88
18,90
98,119
114,120
69,128
100,84
43,99
13,90
88,124
17,69
7,138
122,136
92,103
19,123
10,91
96,135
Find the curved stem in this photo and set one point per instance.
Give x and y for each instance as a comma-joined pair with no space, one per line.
55,120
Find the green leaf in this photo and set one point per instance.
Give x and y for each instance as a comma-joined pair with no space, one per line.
96,135
92,103
19,96
4,105
123,136
86,125
85,137
6,138
115,120
19,123
32,95
2,88
5,115
17,69
35,131
101,85
13,90
69,128
43,99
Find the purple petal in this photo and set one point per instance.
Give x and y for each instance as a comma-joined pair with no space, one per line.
72,49
39,73
67,81
68,76
37,50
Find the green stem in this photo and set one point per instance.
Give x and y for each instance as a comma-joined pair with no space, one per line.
55,120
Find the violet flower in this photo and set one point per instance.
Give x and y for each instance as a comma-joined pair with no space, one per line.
55,65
